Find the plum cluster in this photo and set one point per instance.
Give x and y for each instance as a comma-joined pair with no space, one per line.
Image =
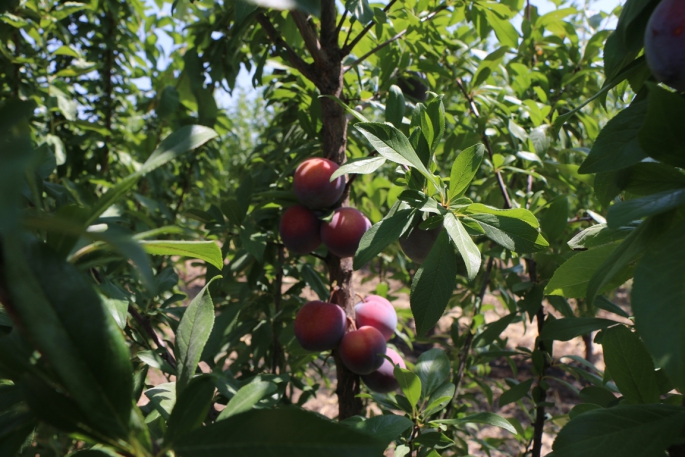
300,228
321,326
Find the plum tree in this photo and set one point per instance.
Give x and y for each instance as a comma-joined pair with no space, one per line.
377,314
300,230
383,380
413,85
362,350
320,326
665,43
342,234
313,186
419,243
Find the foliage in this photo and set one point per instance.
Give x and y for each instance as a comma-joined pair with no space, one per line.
546,154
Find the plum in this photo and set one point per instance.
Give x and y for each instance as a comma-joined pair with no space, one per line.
320,326
342,234
419,243
312,183
377,314
665,43
362,350
383,380
300,230
414,86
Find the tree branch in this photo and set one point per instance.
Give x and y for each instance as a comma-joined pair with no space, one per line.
311,41
295,60
486,141
540,408
347,48
151,332
329,29
374,50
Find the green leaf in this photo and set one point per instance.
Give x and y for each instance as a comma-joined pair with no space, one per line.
163,398
618,267
433,439
505,31
208,251
627,211
464,169
192,335
572,278
630,365
512,233
356,114
248,396
185,139
283,432
635,430
467,248
634,67
433,369
381,235
394,146
661,137
658,301
362,166
617,145
555,219
394,106
58,309
480,418
493,330
313,280
597,235
516,393
410,384
191,408
515,213
569,328
385,428
433,284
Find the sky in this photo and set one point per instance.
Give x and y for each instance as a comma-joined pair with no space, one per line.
244,84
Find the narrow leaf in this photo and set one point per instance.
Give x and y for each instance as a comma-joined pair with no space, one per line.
467,248
192,335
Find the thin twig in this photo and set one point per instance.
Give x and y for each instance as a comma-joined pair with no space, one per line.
347,48
278,297
338,27
468,341
151,332
374,50
488,146
385,43
295,60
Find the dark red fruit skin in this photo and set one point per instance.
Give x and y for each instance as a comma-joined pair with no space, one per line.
362,350
300,230
378,315
665,43
419,243
320,326
312,183
383,380
342,234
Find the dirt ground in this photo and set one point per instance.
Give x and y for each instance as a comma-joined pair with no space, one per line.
517,335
